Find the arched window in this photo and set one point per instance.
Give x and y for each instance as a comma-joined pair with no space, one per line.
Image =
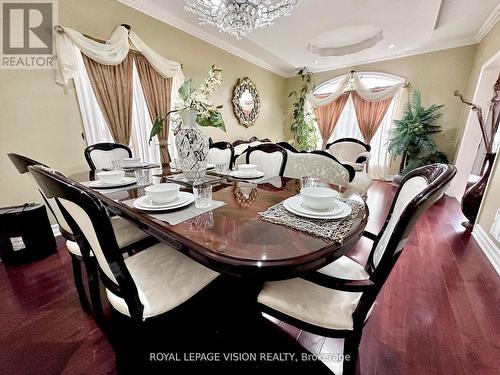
347,125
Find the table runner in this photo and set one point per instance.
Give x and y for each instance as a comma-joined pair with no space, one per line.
329,230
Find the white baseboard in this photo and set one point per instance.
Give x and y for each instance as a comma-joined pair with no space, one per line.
488,246
55,230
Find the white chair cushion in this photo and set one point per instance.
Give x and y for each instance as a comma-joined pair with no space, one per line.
347,151
102,158
361,183
165,278
268,162
216,155
311,303
126,234
345,268
358,167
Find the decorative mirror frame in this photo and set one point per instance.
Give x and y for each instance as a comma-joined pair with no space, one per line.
242,85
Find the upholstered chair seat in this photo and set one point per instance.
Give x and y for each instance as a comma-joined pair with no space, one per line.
126,234
165,279
361,183
311,303
345,268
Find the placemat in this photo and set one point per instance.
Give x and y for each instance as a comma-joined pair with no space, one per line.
330,230
186,213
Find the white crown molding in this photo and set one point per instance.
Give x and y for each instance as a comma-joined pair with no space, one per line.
417,51
161,15
488,246
488,24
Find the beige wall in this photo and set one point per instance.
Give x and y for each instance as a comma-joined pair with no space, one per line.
38,119
489,46
434,74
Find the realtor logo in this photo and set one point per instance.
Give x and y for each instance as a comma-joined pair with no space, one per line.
27,34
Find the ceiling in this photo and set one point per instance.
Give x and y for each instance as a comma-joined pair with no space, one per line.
331,34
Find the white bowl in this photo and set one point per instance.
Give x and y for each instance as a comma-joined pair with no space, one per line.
247,168
318,198
110,176
162,193
128,162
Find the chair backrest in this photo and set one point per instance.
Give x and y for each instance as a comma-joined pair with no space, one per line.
270,158
324,168
418,190
90,222
287,146
101,155
347,149
221,152
22,163
240,146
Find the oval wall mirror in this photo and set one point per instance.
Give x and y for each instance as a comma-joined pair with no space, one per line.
246,102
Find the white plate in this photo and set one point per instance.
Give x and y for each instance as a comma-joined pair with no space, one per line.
144,203
252,175
297,203
142,164
98,184
210,166
346,210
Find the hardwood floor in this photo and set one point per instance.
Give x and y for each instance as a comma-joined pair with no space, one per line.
437,314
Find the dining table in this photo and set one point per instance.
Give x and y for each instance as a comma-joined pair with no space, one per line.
233,239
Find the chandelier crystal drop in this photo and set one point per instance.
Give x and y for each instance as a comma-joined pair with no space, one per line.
239,17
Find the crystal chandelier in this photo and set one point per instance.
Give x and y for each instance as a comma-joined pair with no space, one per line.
239,17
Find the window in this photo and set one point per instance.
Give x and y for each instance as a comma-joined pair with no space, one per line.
347,125
95,127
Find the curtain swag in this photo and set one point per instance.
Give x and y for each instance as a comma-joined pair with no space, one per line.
359,88
113,52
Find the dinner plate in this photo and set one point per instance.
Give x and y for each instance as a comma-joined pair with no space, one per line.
346,210
297,203
99,184
145,203
248,176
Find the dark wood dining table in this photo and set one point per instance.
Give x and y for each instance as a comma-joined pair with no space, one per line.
233,239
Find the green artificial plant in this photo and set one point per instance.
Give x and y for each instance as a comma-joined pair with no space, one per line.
412,135
302,127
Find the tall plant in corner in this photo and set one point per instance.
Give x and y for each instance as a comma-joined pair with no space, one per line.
302,127
411,136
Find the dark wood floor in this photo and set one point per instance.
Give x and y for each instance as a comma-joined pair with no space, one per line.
438,313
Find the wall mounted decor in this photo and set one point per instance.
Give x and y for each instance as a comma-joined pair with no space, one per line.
246,102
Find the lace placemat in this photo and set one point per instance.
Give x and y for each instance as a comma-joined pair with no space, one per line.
329,230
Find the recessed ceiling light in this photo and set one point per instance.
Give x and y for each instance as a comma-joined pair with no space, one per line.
315,61
391,46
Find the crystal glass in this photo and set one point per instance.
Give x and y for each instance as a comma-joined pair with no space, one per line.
308,181
202,195
220,168
143,176
117,164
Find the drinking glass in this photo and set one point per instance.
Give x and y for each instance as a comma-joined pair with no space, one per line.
202,195
117,164
143,176
220,168
308,181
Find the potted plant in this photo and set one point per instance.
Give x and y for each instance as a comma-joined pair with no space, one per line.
412,136
193,108
302,127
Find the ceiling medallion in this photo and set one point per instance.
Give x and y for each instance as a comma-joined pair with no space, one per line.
239,17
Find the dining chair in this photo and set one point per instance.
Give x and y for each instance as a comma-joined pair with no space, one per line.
145,285
270,158
129,238
337,300
221,152
350,151
101,155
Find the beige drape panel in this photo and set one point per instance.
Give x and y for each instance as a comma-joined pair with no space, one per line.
328,115
112,85
157,92
369,115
